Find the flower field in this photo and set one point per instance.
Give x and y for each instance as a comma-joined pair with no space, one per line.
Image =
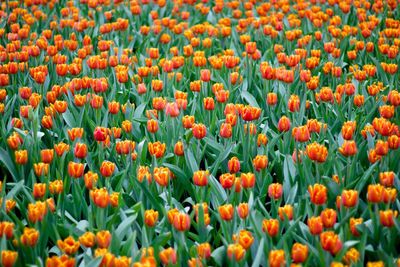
199,133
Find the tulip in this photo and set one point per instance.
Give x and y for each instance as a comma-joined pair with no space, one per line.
245,239
103,239
276,258
168,256
328,217
234,165
349,198
68,245
270,226
181,222
375,193
236,252
299,253
6,229
226,212
275,190
286,211
260,162
248,180
21,157
107,168
204,250
284,124
225,130
87,239
317,152
200,178
29,237
75,170
353,225
8,258
157,149
331,242
348,148
161,175
100,197
318,194
315,225
387,217
199,130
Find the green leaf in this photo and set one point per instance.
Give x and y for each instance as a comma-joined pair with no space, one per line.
191,160
257,259
94,262
6,159
219,255
124,226
250,99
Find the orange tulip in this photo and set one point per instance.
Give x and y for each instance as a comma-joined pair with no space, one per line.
152,126
100,197
234,165
270,226
150,217
331,242
75,169
69,245
328,217
29,237
204,250
348,148
41,168
275,191
168,256
87,239
156,149
107,168
200,178
284,124
103,239
375,193
353,225
260,162
317,152
226,212
318,194
8,258
301,134
6,229
349,198
39,189
181,222
386,178
387,217
161,175
276,258
315,225
21,157
299,253
199,130
248,180
286,211
225,130
80,150
236,252
245,239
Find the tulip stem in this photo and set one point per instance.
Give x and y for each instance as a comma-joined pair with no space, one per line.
317,175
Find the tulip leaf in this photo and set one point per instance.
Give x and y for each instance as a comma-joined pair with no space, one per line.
250,99
6,159
259,254
219,254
